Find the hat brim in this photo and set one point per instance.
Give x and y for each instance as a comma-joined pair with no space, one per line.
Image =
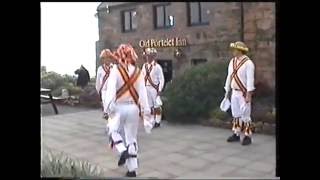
233,46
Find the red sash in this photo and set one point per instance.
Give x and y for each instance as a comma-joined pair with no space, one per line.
107,71
128,83
235,75
148,78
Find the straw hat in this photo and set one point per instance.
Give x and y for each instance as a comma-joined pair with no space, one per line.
240,46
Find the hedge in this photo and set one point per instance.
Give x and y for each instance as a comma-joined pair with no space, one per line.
194,96
195,93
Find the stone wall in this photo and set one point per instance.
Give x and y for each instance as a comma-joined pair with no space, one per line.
211,40
205,41
259,35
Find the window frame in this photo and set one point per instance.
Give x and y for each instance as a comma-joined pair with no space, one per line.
200,21
155,17
124,30
198,60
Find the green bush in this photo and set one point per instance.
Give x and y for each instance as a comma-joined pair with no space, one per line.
61,165
218,114
73,90
57,82
69,79
52,80
194,93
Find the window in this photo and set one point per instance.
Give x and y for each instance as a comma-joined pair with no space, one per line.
197,14
162,18
129,20
198,61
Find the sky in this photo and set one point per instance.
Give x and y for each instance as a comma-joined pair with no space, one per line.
68,35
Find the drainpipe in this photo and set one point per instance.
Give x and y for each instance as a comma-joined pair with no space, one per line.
241,22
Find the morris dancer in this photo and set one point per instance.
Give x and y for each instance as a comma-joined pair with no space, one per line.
126,102
240,80
154,81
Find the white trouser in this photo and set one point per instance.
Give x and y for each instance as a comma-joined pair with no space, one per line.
126,116
120,130
152,96
237,102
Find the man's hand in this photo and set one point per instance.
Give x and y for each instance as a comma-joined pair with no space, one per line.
159,93
249,97
147,124
227,95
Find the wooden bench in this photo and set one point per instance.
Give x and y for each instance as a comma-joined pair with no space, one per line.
46,97
53,97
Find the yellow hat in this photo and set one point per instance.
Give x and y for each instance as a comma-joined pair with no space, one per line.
105,53
240,46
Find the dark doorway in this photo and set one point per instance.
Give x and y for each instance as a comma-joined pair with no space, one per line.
167,70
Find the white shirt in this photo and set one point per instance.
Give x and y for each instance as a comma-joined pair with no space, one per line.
115,81
99,79
156,74
245,74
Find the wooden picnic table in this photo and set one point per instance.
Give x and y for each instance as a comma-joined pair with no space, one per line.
46,97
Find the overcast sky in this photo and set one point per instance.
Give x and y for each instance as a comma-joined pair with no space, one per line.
68,35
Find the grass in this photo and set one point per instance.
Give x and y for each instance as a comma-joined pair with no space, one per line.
59,164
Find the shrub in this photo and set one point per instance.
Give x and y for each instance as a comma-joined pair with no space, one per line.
56,83
61,165
73,90
195,92
90,97
218,114
52,80
69,79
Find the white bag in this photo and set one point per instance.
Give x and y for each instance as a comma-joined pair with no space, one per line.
158,101
225,104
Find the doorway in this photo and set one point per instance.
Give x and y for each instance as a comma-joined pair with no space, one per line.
166,65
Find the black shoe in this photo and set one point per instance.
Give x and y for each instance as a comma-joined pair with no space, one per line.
233,138
156,125
123,158
131,174
246,141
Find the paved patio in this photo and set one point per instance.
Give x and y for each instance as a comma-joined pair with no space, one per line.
172,151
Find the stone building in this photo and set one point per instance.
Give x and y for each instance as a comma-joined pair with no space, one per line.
204,31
